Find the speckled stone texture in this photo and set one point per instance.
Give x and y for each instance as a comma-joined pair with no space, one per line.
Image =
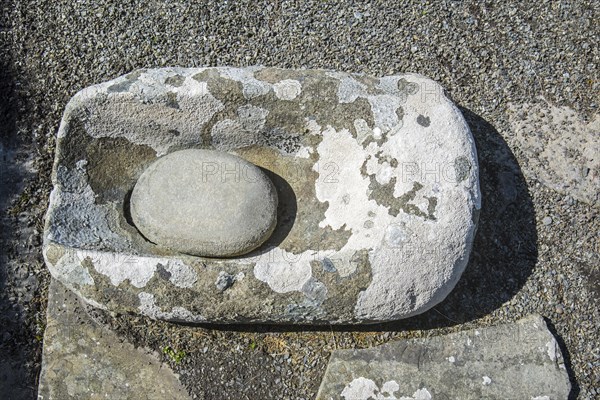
561,149
377,181
84,360
521,360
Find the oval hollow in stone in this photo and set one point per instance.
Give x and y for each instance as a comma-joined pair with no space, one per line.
205,203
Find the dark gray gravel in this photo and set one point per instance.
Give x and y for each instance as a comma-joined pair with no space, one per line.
486,55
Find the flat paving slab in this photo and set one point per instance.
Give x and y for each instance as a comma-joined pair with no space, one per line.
83,360
521,360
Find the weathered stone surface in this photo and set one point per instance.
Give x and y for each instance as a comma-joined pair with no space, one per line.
83,360
513,361
377,182
560,148
204,203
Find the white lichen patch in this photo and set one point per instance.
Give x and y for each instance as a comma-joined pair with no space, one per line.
384,105
551,349
390,387
304,152
143,99
425,155
422,155
349,89
287,89
181,274
288,273
340,181
121,267
398,242
420,394
362,388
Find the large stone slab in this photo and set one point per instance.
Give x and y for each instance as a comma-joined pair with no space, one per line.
83,360
513,361
377,181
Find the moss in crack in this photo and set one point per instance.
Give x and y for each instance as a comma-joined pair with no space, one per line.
175,355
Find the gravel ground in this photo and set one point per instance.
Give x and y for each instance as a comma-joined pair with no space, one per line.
536,250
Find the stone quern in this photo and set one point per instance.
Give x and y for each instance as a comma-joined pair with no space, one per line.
521,360
376,181
204,203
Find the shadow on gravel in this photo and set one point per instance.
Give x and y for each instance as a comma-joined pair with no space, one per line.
16,381
575,389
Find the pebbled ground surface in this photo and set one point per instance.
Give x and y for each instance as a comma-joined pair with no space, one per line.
537,250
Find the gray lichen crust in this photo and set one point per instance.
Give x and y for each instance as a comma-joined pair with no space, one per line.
377,181
521,360
82,359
